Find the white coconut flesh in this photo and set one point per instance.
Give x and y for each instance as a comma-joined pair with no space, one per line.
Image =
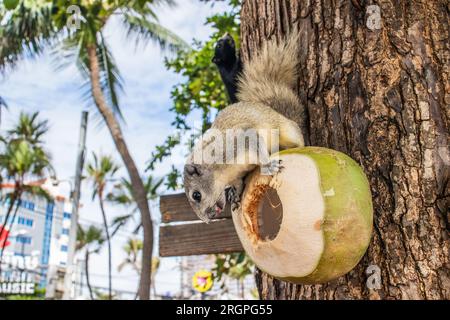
309,223
299,199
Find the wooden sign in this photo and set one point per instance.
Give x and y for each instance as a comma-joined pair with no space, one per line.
176,208
183,234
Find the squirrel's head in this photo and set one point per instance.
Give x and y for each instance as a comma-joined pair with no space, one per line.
206,196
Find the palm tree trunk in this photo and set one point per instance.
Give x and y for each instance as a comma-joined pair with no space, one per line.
16,195
86,266
139,193
108,240
11,205
11,223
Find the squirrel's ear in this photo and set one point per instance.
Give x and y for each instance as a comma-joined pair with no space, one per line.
192,169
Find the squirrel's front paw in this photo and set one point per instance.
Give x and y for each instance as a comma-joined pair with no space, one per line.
272,167
235,206
233,197
231,194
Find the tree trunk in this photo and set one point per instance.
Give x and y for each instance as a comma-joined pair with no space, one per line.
86,266
375,87
14,198
108,240
139,194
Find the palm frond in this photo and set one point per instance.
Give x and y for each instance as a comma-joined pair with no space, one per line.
71,50
27,30
90,237
39,191
137,229
29,128
119,222
100,170
152,187
74,49
144,30
110,77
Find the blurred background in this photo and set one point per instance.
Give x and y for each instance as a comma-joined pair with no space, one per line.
144,67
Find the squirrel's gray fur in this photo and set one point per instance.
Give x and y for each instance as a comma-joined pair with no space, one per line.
266,101
271,75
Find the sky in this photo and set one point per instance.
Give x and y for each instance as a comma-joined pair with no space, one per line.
36,85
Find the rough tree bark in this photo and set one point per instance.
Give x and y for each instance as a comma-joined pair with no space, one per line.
375,86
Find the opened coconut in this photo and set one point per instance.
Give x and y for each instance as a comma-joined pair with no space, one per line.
309,223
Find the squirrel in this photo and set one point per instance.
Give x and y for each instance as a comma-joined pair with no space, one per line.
262,95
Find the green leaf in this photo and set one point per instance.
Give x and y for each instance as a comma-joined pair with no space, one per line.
145,30
11,4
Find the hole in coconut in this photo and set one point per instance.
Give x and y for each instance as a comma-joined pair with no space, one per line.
270,215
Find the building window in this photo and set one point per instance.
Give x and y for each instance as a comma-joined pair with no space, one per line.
28,205
64,248
25,221
65,231
23,239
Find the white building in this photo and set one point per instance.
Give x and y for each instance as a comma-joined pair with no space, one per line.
40,229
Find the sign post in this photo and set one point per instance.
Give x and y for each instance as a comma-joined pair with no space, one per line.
75,204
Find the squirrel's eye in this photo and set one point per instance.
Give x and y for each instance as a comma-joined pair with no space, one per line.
197,196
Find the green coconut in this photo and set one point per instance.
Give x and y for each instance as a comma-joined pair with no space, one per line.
311,222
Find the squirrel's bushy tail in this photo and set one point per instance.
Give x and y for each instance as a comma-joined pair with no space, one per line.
271,74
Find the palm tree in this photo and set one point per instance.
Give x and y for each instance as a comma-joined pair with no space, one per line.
22,159
91,240
133,248
87,45
101,170
28,128
122,194
27,30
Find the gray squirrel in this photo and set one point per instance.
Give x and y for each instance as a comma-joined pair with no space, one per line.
263,97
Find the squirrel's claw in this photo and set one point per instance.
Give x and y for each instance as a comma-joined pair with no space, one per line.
272,167
233,197
235,206
230,194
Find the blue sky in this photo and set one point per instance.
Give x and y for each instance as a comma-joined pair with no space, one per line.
35,86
